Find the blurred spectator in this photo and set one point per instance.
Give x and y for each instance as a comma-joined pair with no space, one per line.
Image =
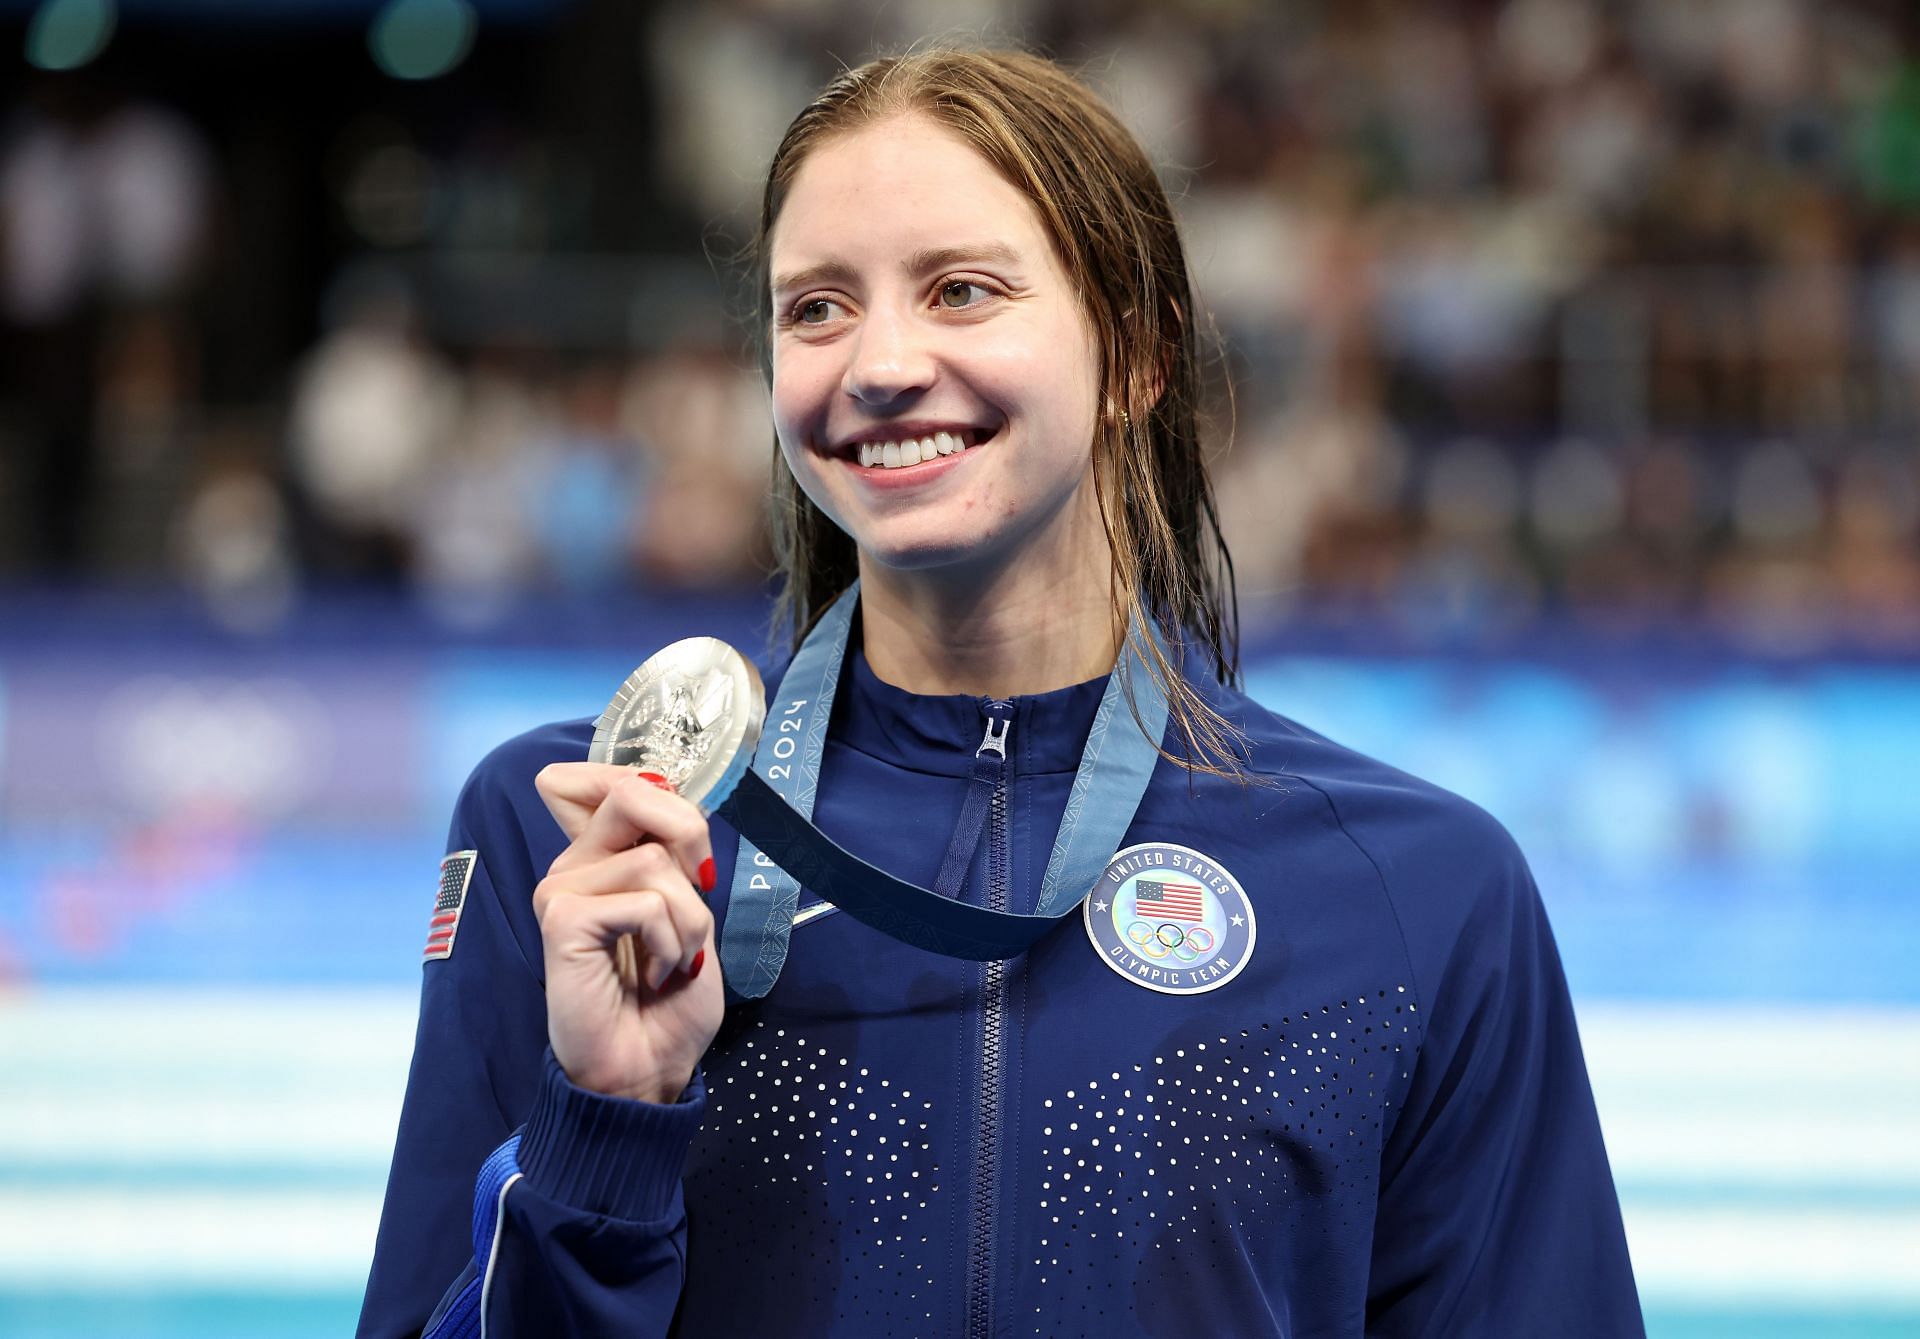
474,546
373,405
588,480
103,213
705,418
232,544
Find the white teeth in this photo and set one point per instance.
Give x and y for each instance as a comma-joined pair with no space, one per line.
912,451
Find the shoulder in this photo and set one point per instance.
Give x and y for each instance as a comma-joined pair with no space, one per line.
518,760
1442,862
1396,816
499,793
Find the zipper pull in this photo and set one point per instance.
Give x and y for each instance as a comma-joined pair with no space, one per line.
996,741
989,770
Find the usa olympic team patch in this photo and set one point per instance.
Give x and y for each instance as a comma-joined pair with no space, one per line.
1170,919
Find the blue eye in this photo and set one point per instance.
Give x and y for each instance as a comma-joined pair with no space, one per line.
961,293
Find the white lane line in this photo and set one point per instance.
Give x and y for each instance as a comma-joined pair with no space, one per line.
121,1239
241,1130
80,1031
1763,1096
1758,1259
1761,1149
122,1077
1784,1051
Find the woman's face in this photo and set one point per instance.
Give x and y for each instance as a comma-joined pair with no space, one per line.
920,314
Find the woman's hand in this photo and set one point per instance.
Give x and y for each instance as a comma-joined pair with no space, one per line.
632,1002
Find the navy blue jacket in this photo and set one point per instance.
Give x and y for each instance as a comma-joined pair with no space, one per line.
1380,1123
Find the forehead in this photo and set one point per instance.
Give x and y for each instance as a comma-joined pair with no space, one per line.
895,187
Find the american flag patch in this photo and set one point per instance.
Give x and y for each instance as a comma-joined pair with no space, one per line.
456,872
1158,899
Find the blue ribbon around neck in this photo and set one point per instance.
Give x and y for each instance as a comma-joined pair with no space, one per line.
781,850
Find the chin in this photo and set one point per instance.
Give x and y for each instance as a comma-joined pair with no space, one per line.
927,556
922,550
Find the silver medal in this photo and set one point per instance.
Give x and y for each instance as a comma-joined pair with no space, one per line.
692,714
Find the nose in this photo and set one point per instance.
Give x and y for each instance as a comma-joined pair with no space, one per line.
889,361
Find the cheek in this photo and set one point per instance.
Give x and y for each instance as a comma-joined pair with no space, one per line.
779,406
785,401
796,459
803,383
1050,367
790,417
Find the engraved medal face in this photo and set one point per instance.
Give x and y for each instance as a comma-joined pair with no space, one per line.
692,714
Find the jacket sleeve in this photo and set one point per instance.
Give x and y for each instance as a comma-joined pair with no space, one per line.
578,1223
514,1195
1497,1213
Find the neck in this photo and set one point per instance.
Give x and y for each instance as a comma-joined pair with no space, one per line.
1006,637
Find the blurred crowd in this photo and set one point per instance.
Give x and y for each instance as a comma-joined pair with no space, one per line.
1522,305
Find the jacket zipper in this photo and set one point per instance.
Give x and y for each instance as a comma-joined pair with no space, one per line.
986,1166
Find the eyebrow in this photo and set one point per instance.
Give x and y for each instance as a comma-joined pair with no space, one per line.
920,262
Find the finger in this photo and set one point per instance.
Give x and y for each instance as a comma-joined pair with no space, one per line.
648,867
635,810
661,938
573,790
576,925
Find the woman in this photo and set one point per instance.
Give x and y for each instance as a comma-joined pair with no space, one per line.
1301,1063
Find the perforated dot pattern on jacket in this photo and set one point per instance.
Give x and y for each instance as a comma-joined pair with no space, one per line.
798,1135
1170,1157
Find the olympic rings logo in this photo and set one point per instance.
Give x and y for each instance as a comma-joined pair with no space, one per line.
1183,943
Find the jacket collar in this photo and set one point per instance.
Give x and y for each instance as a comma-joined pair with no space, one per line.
940,733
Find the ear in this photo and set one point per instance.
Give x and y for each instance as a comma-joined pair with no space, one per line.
1145,385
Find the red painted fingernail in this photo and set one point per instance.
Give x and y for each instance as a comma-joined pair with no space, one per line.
655,779
699,961
707,876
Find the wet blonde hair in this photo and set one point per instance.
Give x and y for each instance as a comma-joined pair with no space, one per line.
1112,227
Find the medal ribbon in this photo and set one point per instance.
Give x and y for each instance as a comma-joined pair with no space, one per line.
781,850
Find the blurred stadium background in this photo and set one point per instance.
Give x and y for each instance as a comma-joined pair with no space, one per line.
374,385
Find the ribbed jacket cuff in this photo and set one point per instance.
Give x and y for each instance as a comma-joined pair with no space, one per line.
608,1155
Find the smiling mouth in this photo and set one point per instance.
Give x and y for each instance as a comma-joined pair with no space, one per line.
908,451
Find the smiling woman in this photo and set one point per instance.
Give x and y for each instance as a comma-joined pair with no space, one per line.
1287,1049
1028,234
